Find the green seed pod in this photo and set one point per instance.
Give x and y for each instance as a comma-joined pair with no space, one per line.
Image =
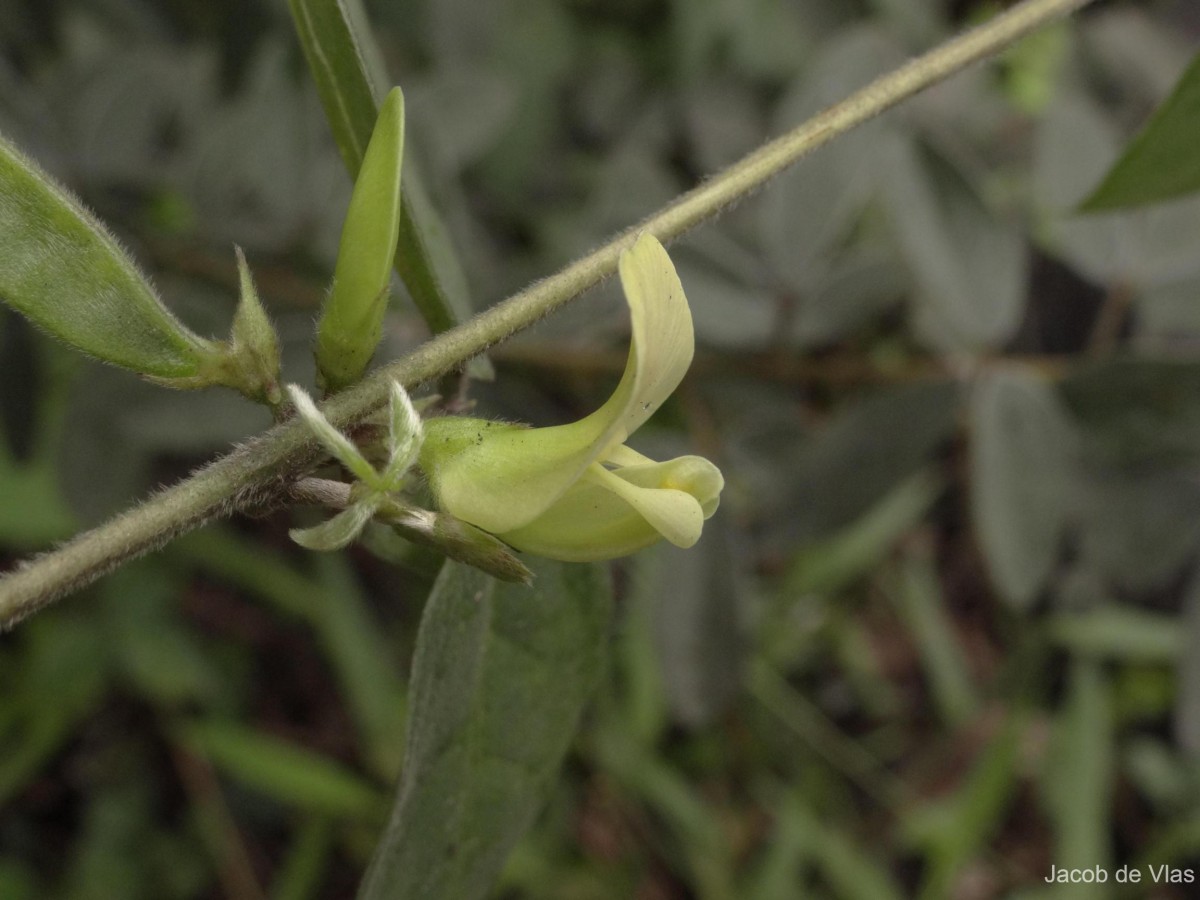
67,274
352,320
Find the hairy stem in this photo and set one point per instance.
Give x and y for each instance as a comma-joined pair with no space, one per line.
259,474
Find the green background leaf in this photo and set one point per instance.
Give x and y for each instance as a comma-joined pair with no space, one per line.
346,66
291,774
500,677
1161,162
1021,447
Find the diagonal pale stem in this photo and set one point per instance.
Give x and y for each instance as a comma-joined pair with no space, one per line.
260,472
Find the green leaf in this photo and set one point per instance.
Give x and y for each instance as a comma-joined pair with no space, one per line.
1138,411
352,320
1021,460
922,605
1138,529
1187,703
955,828
851,869
1078,775
830,565
968,265
304,869
344,62
500,676
1121,633
289,773
1162,162
61,676
352,639
804,219
164,661
862,455
67,274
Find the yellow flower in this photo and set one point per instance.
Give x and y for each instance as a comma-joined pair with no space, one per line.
575,492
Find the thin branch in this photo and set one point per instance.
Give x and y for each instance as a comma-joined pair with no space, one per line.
320,492
259,473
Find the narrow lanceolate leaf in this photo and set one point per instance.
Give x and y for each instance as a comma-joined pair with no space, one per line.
1161,162
500,677
1077,791
352,320
66,273
344,62
291,774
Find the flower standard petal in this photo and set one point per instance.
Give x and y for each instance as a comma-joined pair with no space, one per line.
501,477
663,341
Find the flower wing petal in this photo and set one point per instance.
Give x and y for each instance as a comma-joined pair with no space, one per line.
693,475
611,514
587,523
674,514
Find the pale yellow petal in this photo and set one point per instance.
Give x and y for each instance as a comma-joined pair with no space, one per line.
611,514
694,475
587,523
661,347
674,514
500,477
624,455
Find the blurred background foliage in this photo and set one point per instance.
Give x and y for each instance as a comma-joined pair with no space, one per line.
942,633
